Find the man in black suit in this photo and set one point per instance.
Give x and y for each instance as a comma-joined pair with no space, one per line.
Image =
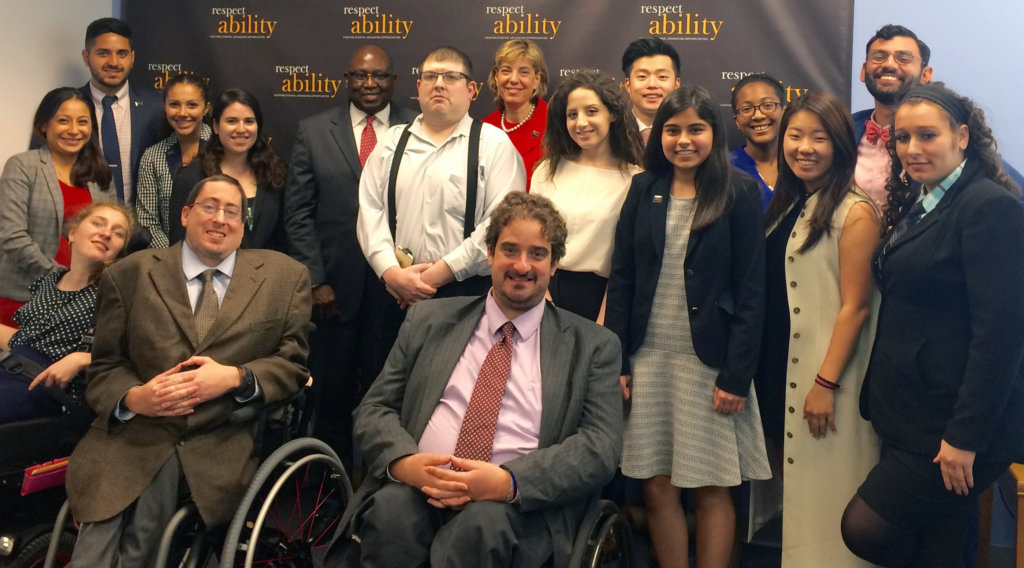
137,112
321,203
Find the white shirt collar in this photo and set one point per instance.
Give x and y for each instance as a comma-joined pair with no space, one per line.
193,267
97,95
359,117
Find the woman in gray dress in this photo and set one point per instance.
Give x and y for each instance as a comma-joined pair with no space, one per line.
686,297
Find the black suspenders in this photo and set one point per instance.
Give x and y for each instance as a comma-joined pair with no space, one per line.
472,179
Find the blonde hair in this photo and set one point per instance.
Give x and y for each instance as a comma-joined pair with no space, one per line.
514,49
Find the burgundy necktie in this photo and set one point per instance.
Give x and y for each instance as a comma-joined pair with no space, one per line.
367,141
874,132
476,438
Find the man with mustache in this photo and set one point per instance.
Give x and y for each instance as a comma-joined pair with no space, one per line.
426,192
321,204
896,60
496,420
135,114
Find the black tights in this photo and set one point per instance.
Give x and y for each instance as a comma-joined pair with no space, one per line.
939,544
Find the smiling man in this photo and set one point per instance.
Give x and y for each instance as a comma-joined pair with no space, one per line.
129,116
184,336
651,66
321,201
496,419
428,188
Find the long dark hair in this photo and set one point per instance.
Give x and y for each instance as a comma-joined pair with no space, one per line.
623,135
713,179
266,165
838,180
981,146
90,165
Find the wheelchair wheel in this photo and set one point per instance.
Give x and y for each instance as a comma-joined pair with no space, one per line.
291,510
34,553
605,539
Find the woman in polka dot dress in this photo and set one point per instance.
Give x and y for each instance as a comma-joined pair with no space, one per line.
60,311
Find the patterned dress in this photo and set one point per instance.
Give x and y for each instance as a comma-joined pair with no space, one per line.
673,428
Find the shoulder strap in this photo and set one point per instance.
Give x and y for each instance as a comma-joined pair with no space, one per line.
472,176
396,161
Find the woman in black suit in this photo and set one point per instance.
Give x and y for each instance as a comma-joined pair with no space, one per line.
944,388
238,149
686,298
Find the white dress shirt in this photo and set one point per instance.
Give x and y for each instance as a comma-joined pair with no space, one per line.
381,122
430,197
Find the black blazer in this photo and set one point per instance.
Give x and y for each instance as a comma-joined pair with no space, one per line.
724,277
322,203
267,217
946,362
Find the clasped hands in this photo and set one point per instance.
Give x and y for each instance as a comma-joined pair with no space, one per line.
417,282
449,489
176,392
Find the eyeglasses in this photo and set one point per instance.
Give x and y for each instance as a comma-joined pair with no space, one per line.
879,56
767,108
450,77
210,209
378,76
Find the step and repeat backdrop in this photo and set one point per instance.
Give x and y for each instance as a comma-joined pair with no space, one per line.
293,55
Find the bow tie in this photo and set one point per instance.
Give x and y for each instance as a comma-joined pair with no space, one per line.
875,133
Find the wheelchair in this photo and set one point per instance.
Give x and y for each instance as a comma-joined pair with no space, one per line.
604,539
287,515
27,515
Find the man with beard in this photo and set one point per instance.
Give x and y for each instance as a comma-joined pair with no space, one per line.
128,116
495,421
321,205
896,61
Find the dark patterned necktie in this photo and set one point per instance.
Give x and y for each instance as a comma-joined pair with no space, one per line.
207,306
476,438
111,147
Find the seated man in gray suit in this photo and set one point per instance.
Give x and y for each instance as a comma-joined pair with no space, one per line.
495,420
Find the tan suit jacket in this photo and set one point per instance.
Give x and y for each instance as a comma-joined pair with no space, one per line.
144,328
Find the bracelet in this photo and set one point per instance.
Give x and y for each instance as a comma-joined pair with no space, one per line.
822,381
511,488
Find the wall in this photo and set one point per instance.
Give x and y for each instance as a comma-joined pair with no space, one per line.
42,40
972,47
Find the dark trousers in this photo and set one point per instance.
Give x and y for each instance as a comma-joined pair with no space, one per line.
335,361
400,529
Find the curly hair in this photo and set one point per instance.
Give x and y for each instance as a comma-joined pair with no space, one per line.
90,165
267,166
838,180
623,135
514,49
520,205
981,145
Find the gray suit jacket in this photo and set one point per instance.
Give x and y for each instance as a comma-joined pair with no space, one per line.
322,201
145,326
31,220
581,421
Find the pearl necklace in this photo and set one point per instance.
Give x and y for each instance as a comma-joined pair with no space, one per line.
508,130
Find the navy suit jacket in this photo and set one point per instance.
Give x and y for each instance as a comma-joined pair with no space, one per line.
322,201
724,277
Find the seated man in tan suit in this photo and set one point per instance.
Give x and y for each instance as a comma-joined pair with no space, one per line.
184,336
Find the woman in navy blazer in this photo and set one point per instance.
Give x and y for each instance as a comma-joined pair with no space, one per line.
685,297
945,385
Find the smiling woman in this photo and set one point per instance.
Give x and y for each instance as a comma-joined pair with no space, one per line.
42,190
239,150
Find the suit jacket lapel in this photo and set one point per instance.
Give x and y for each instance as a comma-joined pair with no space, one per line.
556,348
52,184
341,131
452,335
246,281
940,210
169,282
661,193
135,107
